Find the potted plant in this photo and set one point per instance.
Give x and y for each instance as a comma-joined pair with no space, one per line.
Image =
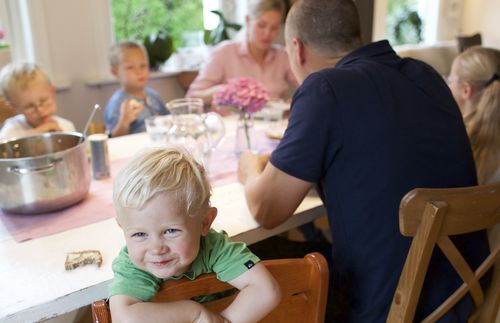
220,32
159,47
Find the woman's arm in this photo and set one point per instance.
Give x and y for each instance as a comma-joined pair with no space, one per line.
259,295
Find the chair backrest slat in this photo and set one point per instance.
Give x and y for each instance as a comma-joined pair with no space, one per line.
303,283
463,214
431,216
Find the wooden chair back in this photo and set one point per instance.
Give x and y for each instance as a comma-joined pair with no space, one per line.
5,111
465,42
96,127
303,282
431,216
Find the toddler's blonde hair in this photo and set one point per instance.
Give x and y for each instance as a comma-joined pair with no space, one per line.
18,76
170,170
118,49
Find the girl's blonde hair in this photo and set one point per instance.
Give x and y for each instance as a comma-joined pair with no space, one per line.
18,76
258,7
163,170
480,67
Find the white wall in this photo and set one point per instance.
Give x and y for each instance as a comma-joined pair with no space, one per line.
457,16
482,16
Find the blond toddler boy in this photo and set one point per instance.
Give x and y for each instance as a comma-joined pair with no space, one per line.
28,90
134,101
162,200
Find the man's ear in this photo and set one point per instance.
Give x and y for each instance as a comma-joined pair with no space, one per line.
208,220
300,53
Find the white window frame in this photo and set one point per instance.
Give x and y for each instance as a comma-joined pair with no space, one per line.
26,28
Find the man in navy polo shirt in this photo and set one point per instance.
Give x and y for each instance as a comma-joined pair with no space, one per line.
366,126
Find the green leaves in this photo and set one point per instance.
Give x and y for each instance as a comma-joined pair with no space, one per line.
220,32
159,47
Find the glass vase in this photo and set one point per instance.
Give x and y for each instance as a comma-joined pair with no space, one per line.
245,134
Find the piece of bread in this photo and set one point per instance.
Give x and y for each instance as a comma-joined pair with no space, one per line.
81,258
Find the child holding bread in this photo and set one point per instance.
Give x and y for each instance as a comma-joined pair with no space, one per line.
134,101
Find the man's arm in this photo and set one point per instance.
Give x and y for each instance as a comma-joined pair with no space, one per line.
127,309
259,294
271,194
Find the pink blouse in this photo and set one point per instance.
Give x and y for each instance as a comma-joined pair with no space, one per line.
232,59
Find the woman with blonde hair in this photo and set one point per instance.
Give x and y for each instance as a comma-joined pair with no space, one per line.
474,82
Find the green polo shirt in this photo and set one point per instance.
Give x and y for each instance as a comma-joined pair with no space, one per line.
217,254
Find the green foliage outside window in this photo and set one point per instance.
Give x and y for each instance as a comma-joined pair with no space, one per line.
404,25
137,19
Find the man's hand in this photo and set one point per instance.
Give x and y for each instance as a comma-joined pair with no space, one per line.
251,165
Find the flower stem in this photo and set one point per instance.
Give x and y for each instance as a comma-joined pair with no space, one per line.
247,135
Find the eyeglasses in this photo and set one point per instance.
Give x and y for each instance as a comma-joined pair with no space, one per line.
44,103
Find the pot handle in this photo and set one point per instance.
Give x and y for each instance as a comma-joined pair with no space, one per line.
24,171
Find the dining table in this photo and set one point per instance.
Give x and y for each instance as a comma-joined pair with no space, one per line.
34,284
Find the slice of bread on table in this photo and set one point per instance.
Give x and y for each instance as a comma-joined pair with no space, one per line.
81,258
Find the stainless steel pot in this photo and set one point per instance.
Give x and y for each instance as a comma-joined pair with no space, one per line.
43,172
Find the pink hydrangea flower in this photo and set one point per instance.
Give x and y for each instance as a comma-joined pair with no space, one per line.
243,93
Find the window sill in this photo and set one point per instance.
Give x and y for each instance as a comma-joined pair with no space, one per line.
164,73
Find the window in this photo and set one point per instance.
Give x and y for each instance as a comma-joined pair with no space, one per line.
136,19
404,25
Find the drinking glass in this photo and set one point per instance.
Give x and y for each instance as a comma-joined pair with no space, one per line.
198,132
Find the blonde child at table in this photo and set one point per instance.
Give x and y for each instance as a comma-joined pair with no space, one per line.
162,201
28,90
134,101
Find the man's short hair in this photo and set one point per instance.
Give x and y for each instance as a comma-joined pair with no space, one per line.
117,50
170,170
330,26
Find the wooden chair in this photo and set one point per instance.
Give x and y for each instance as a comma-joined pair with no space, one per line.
465,42
431,216
5,111
303,282
96,127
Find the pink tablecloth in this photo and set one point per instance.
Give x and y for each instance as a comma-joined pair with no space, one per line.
98,205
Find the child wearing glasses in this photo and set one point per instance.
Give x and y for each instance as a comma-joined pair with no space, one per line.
134,101
28,90
162,202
